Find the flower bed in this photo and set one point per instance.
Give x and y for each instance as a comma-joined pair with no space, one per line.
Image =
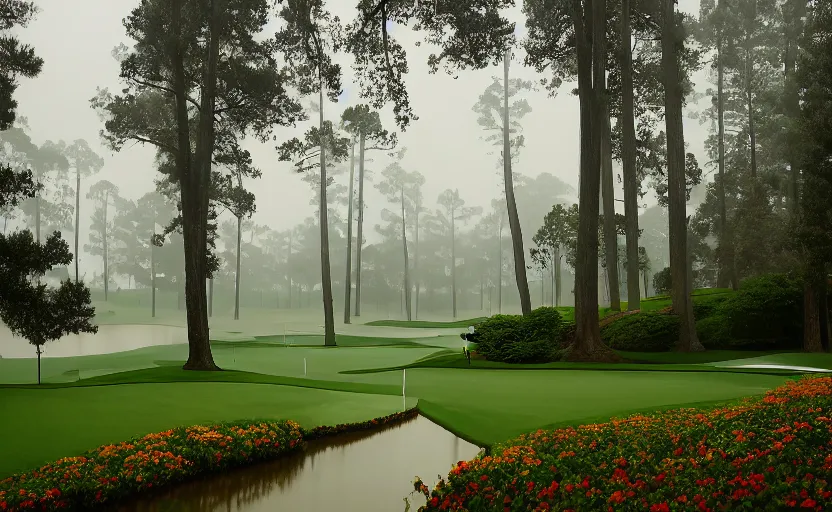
765,453
115,471
326,431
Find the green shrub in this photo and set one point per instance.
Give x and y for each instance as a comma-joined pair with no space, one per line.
544,323
766,311
661,281
714,332
642,332
518,339
705,306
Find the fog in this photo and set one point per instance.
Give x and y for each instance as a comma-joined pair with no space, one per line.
445,145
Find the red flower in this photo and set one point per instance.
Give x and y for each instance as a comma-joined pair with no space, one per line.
484,478
808,503
660,507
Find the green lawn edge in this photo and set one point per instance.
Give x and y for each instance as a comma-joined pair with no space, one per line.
426,324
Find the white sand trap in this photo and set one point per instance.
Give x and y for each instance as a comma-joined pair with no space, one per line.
779,367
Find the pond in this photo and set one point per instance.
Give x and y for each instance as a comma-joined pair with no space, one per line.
367,472
110,339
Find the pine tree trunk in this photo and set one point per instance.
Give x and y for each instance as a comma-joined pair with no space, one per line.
591,48
453,263
37,347
679,262
511,204
406,290
628,157
237,273
416,274
500,269
210,297
752,134
727,276
152,277
359,241
289,270
812,339
326,279
77,254
608,209
105,247
348,276
195,185
37,208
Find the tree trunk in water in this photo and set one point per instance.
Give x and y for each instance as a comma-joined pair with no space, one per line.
608,209
406,289
591,49
326,279
237,273
77,217
359,241
105,247
628,157
195,185
348,276
679,262
453,263
511,204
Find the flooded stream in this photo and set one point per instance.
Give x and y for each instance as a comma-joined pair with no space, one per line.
110,339
364,472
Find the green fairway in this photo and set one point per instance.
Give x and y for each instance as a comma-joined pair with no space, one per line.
87,401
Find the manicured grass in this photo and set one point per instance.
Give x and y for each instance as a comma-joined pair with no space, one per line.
425,324
93,400
47,424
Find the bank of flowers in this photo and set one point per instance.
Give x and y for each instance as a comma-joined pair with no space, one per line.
115,471
765,453
343,428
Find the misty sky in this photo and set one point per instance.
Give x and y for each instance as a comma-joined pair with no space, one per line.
75,39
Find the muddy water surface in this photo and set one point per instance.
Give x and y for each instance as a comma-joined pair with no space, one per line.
350,473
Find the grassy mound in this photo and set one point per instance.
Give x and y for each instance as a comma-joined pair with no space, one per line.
765,453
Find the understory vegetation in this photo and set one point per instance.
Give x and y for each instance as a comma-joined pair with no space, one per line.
765,453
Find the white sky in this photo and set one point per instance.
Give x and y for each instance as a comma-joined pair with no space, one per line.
75,39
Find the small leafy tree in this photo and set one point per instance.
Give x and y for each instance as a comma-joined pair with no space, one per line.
555,238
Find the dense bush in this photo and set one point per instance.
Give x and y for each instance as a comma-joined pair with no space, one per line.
767,453
642,332
705,306
661,281
519,339
766,311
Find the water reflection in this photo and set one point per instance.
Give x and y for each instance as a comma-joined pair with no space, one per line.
365,472
110,338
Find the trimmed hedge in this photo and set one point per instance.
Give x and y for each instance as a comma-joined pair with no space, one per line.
766,453
519,339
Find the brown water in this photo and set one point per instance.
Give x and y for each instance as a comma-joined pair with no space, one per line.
110,339
350,473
